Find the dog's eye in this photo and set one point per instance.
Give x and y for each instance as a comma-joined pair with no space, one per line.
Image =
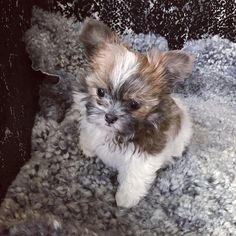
100,92
134,105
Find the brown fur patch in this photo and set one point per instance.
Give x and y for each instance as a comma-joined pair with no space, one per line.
154,75
152,138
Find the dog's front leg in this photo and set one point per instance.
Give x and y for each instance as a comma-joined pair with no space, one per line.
86,142
135,179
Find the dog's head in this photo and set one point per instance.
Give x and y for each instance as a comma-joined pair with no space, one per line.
124,89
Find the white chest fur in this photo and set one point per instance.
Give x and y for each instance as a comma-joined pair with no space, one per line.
96,141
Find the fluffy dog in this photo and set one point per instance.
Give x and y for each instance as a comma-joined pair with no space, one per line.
129,119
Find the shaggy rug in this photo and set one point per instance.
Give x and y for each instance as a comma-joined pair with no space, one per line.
61,192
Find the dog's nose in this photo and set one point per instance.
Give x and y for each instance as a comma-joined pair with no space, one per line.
110,118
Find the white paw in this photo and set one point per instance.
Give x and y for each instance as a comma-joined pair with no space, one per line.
87,152
85,147
126,198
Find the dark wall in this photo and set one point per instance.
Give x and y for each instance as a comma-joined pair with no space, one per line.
18,90
176,20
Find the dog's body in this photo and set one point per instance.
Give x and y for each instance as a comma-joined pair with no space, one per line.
128,117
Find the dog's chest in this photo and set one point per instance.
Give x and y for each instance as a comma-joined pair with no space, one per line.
100,142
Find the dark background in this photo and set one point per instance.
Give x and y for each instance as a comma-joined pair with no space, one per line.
178,21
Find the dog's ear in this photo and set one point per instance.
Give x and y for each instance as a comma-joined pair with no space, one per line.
178,64
95,34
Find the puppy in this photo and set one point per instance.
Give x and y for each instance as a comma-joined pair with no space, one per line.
129,119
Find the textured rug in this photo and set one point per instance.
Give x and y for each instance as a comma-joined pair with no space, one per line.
61,192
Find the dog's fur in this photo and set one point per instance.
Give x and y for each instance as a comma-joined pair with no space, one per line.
128,117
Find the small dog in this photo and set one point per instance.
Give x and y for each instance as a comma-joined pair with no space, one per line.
128,117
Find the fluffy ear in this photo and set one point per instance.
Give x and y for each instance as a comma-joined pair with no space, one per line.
177,63
94,34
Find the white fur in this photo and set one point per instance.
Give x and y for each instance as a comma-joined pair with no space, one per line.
125,65
136,170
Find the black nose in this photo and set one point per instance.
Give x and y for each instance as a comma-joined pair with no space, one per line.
110,118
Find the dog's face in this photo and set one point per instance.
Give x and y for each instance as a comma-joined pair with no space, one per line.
124,88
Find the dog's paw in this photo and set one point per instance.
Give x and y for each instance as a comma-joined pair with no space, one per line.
126,198
88,153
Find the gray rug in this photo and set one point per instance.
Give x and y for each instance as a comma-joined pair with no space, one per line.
61,192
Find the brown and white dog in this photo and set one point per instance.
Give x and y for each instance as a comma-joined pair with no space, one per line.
129,119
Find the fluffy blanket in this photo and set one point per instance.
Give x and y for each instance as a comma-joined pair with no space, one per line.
61,192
